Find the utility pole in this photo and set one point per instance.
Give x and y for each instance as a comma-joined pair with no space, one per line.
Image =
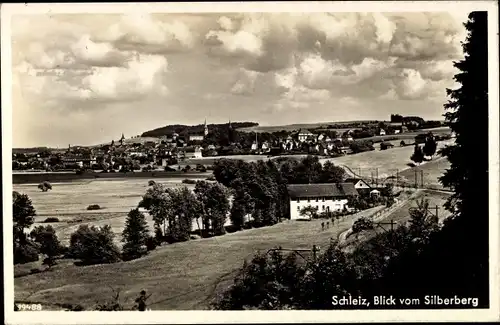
416,184
397,177
422,178
437,208
376,170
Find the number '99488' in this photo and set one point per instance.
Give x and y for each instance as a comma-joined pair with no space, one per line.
29,307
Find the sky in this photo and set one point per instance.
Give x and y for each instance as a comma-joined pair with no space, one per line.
83,79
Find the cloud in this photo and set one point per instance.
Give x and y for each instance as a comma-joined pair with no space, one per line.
245,85
149,34
93,53
225,23
139,77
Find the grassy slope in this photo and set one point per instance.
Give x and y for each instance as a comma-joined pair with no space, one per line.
181,276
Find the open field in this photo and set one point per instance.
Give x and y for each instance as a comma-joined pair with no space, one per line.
69,201
386,161
118,195
180,276
432,170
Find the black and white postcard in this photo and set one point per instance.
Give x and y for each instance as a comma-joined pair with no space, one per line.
214,162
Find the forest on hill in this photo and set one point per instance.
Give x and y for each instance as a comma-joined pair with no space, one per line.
192,129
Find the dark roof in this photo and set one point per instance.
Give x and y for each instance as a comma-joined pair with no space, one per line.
321,190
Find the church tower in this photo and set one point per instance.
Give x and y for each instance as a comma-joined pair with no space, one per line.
122,139
206,128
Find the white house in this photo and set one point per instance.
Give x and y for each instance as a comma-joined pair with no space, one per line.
190,153
303,135
196,137
382,132
326,197
255,146
347,136
265,146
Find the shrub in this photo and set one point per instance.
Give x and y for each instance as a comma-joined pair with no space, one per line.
151,243
169,169
200,168
361,224
50,246
232,228
51,219
151,183
45,186
93,245
26,253
94,207
211,178
77,308
188,181
35,271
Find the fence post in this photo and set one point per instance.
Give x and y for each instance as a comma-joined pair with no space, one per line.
314,250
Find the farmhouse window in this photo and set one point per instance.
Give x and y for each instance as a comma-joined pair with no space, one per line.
308,200
298,200
323,199
298,208
323,207
316,199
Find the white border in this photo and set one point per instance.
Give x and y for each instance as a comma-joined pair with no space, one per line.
184,317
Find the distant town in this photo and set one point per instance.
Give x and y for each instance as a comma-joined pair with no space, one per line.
168,147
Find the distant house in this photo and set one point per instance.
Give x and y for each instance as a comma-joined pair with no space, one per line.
347,136
304,134
326,197
190,153
265,146
358,183
255,146
397,131
321,137
196,137
382,132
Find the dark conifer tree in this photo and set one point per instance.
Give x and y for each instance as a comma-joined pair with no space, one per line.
135,235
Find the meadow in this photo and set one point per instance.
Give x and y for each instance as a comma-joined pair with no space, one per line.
385,162
181,276
69,201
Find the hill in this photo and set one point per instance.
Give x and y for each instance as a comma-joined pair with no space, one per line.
192,129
